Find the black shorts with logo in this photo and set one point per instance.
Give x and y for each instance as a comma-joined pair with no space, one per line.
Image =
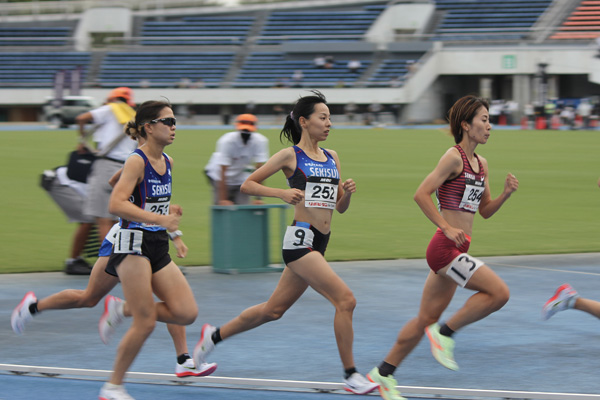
319,244
154,247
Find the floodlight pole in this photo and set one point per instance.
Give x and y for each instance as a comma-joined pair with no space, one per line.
543,82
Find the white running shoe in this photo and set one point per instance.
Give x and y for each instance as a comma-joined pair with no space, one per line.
205,345
114,392
189,369
358,384
21,315
111,317
563,299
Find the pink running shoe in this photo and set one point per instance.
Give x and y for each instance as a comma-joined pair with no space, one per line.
189,369
563,299
205,345
21,315
111,318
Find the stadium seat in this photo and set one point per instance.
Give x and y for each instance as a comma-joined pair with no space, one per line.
272,69
197,30
132,69
500,20
391,72
582,24
342,26
34,36
38,69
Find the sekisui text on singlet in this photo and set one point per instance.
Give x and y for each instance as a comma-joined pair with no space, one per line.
464,192
318,179
152,194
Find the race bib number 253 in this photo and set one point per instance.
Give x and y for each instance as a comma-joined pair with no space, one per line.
157,205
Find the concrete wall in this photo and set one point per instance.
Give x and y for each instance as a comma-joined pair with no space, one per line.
104,20
410,18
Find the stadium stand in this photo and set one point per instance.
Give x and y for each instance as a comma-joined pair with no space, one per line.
163,69
583,23
197,30
390,73
263,46
341,25
273,69
499,20
34,36
37,69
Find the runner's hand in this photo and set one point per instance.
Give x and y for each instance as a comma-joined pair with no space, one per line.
511,184
458,236
292,196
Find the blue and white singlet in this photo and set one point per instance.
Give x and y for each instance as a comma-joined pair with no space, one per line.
152,194
319,179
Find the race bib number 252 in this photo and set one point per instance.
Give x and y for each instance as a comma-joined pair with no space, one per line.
321,192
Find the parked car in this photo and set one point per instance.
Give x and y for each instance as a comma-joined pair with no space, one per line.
71,107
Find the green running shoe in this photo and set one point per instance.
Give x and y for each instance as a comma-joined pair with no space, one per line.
442,347
387,385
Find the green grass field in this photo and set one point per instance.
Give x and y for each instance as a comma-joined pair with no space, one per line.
555,209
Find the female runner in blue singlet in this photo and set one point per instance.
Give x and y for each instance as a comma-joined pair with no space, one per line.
99,285
461,183
141,198
316,190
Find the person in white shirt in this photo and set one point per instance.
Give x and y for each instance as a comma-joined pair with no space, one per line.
584,110
319,62
354,66
112,148
237,155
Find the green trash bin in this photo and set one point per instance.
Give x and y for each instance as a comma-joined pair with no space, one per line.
240,237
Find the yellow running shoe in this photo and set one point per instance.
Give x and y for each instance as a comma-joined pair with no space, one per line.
442,347
387,385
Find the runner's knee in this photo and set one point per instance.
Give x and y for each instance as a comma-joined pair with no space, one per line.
500,296
183,313
89,302
187,316
144,325
272,314
347,303
424,320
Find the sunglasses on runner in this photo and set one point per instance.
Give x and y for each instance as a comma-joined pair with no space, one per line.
166,121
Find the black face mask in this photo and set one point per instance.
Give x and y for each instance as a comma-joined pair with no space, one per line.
245,136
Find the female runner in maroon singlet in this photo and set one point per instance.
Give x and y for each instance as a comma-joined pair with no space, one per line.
461,183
